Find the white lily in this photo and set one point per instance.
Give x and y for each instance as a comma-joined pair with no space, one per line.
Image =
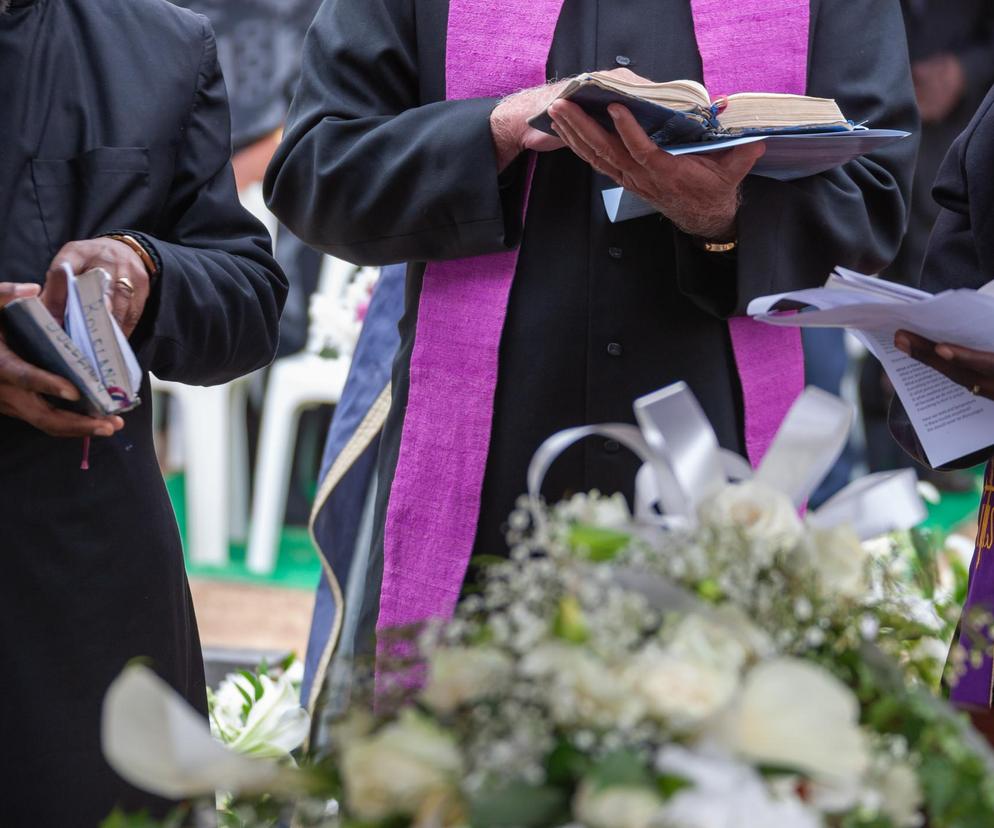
153,739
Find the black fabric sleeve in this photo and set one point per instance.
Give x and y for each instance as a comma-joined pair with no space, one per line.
961,248
214,309
371,173
792,234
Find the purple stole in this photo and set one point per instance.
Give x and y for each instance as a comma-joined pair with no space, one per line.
976,687
496,47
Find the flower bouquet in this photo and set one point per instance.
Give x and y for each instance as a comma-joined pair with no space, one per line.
720,663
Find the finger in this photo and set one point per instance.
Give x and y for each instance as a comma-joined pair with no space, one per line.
639,145
585,151
923,350
738,162
606,147
20,374
122,292
58,423
55,292
9,291
980,361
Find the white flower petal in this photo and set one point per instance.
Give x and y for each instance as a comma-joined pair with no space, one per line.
157,742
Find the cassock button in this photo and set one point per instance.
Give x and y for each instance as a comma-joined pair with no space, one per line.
623,60
614,349
612,446
614,252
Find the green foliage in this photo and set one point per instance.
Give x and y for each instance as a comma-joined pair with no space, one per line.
597,544
621,769
519,805
569,623
120,819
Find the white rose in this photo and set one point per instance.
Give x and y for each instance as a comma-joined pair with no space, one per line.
902,796
276,724
839,562
583,689
797,715
706,638
764,514
725,793
459,675
682,691
736,624
616,807
401,767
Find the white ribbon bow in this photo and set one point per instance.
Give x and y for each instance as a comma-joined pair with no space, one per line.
684,467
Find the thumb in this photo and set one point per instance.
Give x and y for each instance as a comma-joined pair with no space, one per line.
9,291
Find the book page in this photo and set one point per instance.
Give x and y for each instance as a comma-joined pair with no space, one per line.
950,421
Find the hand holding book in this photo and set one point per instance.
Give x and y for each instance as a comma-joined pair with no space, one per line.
24,387
129,287
699,194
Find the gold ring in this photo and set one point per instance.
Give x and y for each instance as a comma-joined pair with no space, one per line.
127,284
975,390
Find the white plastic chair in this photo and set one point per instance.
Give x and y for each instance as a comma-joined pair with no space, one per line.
213,436
298,382
212,431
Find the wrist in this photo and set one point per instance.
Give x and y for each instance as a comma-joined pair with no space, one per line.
507,131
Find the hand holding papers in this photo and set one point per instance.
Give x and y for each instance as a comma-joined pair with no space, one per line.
949,420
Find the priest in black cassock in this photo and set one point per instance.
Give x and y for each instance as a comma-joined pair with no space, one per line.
114,151
377,166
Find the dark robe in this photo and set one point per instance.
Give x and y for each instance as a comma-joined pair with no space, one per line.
376,167
961,249
113,117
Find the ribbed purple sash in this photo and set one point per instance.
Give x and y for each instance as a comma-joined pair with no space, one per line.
976,686
758,46
496,47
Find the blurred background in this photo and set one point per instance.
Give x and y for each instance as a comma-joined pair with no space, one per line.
241,460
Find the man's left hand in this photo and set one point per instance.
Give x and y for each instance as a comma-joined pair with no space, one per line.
129,286
965,366
698,193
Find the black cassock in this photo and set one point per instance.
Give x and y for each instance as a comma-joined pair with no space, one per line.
112,117
376,167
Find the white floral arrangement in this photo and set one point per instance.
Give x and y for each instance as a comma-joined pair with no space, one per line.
749,668
336,317
258,713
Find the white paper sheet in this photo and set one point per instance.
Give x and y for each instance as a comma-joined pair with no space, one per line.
950,421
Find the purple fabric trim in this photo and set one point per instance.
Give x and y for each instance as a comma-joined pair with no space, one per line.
758,46
975,686
496,47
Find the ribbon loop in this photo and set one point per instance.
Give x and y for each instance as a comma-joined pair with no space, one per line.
684,467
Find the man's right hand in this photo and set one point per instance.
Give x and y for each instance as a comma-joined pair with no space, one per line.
22,386
509,123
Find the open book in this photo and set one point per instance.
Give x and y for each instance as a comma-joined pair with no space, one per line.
803,135
950,422
91,351
681,111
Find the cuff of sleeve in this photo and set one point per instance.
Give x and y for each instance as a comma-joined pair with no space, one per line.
709,280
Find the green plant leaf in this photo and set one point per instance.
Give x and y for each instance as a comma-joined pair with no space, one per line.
621,769
596,543
519,805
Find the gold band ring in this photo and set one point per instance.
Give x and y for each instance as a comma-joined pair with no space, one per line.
975,390
127,284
